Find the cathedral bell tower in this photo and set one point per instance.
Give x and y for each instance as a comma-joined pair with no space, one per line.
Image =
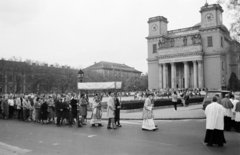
211,15
157,26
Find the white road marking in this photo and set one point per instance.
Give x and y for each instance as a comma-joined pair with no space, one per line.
40,141
128,122
30,133
55,144
13,148
91,136
6,124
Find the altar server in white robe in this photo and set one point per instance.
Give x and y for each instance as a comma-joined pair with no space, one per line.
237,117
234,102
214,124
148,123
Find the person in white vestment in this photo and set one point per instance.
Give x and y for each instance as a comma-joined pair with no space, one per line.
237,117
227,104
214,124
234,102
148,123
96,111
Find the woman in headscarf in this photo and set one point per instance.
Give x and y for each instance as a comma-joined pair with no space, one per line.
148,123
5,107
237,117
83,108
66,109
50,109
96,111
37,105
44,110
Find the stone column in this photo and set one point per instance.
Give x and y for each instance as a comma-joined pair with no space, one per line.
186,74
173,75
160,76
195,74
200,74
165,75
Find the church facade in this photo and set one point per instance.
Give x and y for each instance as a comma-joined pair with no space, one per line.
193,57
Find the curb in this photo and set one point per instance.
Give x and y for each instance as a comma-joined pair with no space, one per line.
185,118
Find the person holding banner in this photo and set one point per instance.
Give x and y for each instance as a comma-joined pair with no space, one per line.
96,111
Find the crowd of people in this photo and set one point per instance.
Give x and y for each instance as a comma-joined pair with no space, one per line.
166,93
61,109
221,114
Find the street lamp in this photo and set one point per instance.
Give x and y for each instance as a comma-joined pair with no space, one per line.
80,75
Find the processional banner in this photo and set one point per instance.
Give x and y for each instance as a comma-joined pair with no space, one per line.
99,85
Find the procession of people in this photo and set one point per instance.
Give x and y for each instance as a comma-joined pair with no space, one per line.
61,109
221,114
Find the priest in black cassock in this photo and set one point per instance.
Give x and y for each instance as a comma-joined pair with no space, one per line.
214,124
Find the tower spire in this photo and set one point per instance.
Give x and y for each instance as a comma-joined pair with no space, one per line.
206,4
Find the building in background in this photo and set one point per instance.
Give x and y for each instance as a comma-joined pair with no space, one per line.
193,57
29,77
113,71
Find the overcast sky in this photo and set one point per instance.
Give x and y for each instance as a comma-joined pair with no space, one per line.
80,32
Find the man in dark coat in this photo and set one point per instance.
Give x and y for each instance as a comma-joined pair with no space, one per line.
73,104
117,110
59,109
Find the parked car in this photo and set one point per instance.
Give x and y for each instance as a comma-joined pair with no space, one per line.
210,94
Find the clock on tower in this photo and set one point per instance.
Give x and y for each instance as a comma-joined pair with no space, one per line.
211,15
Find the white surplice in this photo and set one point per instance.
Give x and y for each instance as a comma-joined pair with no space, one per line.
215,116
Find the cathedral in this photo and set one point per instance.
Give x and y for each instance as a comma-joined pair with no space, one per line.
192,57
